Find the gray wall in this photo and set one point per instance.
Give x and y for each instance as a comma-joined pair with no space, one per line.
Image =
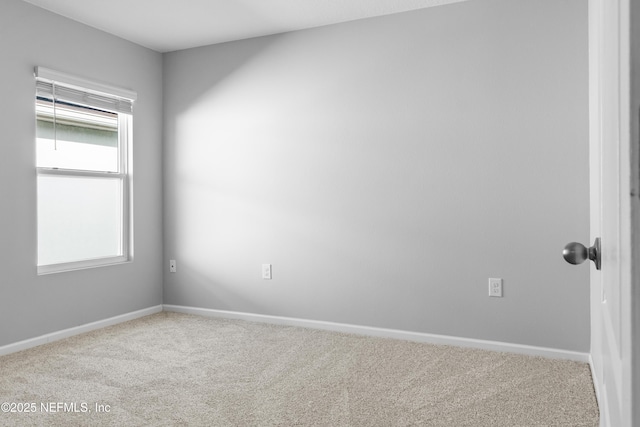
32,305
386,168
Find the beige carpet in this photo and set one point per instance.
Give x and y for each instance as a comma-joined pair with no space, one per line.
176,369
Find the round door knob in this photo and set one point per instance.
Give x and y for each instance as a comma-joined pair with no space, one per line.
577,253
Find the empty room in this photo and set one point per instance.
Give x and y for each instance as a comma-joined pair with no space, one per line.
297,213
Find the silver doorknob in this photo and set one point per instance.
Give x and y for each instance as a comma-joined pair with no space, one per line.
577,253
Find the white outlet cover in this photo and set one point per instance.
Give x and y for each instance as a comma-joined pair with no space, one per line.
495,287
266,271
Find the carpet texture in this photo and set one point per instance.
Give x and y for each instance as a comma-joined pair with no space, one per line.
175,369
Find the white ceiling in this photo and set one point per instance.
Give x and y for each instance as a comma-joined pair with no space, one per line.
167,25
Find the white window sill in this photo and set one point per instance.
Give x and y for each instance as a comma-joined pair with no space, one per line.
81,265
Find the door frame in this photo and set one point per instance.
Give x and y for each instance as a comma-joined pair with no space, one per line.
628,83
634,53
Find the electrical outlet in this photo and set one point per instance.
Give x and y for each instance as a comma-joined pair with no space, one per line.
495,287
266,271
172,266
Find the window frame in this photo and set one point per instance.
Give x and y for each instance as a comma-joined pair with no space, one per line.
125,124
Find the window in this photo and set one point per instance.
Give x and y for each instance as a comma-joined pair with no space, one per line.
83,137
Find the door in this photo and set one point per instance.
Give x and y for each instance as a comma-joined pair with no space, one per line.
610,127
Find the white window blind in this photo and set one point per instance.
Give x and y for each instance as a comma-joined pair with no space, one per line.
66,88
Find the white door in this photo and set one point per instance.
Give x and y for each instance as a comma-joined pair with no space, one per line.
610,128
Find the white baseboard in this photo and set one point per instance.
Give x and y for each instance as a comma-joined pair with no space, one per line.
305,323
65,333
387,333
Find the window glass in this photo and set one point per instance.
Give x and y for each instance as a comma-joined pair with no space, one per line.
79,218
75,137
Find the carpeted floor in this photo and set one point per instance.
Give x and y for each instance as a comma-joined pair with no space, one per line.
175,369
